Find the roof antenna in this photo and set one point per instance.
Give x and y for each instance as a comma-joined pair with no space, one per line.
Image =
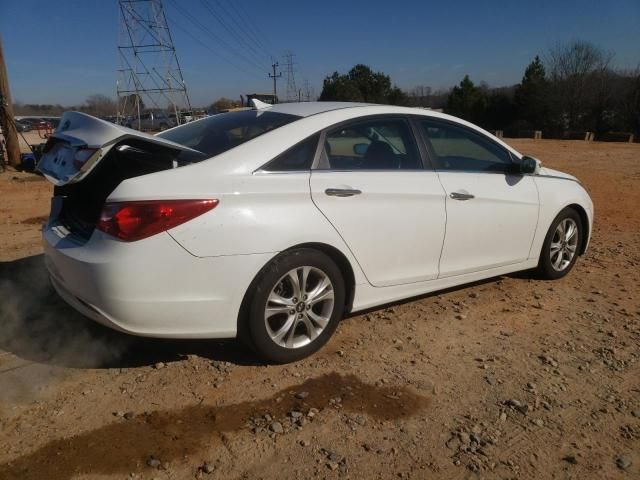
258,105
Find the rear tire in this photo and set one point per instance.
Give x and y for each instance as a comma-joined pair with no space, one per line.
294,306
561,245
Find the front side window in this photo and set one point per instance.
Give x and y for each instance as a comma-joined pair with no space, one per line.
219,133
459,148
377,144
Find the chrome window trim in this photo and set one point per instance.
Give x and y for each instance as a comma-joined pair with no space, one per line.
373,170
278,172
556,177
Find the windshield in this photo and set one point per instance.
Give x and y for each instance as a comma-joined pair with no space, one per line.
222,132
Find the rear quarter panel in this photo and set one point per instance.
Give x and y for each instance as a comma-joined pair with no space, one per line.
258,212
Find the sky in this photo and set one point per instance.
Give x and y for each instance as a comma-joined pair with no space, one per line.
61,51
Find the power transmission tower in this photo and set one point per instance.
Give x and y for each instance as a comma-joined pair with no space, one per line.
149,75
275,77
292,91
307,91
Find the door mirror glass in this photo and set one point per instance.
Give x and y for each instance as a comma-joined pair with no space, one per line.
528,165
360,148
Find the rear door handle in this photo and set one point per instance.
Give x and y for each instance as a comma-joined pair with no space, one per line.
342,192
461,196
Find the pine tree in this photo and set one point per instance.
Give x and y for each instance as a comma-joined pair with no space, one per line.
467,101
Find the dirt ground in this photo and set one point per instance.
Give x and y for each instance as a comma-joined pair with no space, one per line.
507,378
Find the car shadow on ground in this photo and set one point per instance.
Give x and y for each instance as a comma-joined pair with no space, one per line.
37,326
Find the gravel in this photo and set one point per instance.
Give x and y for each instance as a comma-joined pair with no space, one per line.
623,462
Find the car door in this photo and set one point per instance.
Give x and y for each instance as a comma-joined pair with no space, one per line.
371,184
492,210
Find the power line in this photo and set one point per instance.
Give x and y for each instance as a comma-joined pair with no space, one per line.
252,27
238,36
208,47
219,40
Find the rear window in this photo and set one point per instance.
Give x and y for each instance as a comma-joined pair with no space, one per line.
222,132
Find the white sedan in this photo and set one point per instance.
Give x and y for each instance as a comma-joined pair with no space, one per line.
270,224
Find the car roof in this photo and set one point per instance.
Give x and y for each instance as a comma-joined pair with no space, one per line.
306,109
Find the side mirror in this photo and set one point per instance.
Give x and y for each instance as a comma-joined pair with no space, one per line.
529,165
360,148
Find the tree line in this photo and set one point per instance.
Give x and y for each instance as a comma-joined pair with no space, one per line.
98,105
573,90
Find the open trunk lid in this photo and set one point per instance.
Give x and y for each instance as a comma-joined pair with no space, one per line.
81,142
87,158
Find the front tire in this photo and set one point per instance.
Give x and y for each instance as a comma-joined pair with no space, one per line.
295,305
561,245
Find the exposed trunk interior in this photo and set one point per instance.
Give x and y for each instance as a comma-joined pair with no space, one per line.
82,202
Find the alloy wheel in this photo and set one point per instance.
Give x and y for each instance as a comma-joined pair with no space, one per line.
564,244
299,307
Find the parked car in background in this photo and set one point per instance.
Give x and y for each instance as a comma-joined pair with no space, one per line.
53,121
23,126
152,121
31,122
41,123
269,224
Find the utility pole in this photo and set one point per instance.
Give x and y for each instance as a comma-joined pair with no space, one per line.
275,79
7,122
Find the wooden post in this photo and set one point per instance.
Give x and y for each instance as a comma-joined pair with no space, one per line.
6,116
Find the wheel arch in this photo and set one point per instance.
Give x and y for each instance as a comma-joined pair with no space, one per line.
584,219
343,264
332,252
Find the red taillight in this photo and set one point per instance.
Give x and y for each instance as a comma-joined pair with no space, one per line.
131,221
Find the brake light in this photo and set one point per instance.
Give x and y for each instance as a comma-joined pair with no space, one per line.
131,221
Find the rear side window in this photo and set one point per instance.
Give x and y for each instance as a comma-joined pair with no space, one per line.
219,133
459,148
299,157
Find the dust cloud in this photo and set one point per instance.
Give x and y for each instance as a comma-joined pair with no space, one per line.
41,338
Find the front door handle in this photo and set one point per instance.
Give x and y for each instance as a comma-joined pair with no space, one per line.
461,196
342,192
